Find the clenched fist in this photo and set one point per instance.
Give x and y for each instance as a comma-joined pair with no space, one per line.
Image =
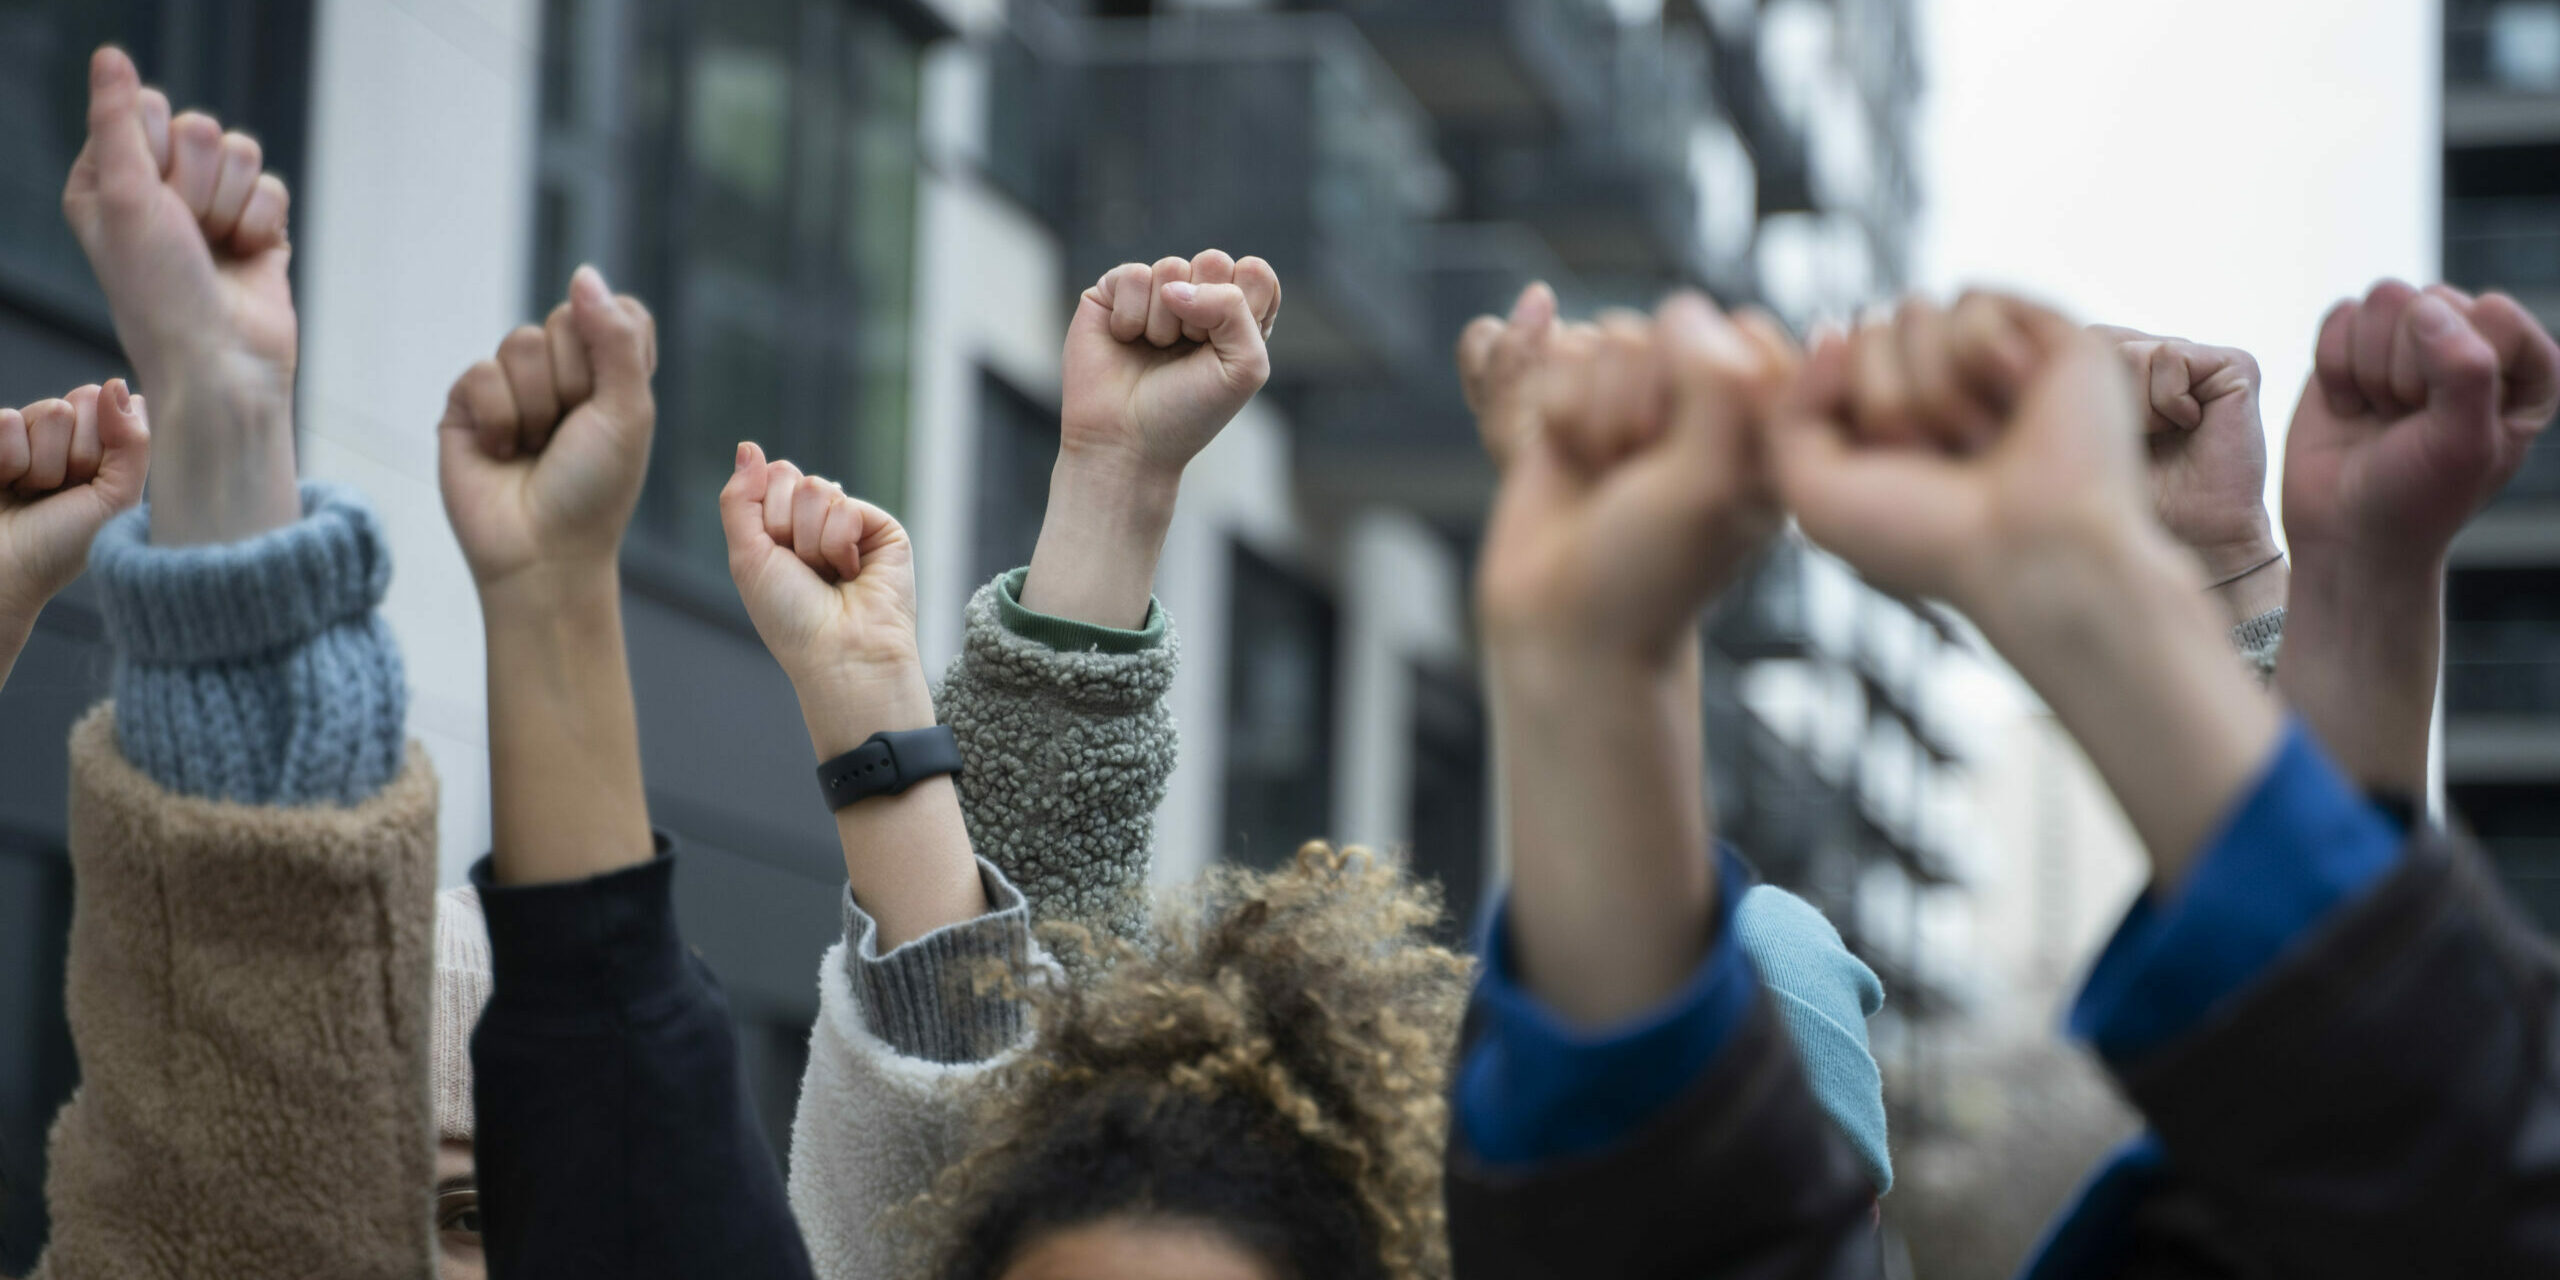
1632,487
546,445
2037,465
67,466
2420,408
1159,359
2207,445
830,581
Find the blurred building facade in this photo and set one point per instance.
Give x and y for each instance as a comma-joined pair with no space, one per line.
2502,642
861,223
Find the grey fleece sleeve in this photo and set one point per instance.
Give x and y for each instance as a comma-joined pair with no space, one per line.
1067,744
257,671
939,997
2259,640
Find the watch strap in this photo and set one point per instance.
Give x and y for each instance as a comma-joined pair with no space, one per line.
886,764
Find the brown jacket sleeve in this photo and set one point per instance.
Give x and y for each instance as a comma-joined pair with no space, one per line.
2386,1101
248,993
1743,1178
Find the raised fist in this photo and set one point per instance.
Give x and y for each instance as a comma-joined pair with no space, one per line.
1632,488
2420,408
67,466
830,581
2207,446
188,237
546,445
1159,359
2048,473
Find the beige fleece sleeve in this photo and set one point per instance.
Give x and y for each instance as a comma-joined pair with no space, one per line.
248,993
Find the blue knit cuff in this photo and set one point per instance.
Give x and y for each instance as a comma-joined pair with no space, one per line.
257,671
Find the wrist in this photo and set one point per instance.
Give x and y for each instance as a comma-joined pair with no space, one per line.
843,707
1100,539
2248,582
1541,680
224,452
546,590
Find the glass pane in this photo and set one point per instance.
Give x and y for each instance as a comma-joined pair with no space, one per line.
44,95
1279,714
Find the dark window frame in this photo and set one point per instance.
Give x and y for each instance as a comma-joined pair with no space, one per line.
615,184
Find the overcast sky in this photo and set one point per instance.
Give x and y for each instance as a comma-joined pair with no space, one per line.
2218,169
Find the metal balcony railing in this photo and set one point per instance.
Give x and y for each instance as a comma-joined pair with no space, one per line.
1616,195
2508,666
1411,440
2510,243
1282,135
1504,65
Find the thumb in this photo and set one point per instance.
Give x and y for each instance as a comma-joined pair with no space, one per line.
742,509
1716,378
1234,334
618,341
124,432
118,146
2460,370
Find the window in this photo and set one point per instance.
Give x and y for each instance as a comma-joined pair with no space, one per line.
1017,447
748,167
1279,713
2519,824
1449,792
247,61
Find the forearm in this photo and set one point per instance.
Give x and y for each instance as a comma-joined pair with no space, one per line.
567,801
1613,893
907,857
2132,659
230,446
2361,654
1099,541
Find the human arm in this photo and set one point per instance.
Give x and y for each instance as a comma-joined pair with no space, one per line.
1626,1057
67,466
190,241
2045,537
543,450
1158,360
606,1046
829,581
2420,407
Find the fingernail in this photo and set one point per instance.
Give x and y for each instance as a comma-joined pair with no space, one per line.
589,283
123,397
2432,316
742,458
1182,291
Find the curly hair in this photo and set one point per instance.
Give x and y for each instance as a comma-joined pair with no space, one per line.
1272,1063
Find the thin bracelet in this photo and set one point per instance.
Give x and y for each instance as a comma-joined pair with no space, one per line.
2246,572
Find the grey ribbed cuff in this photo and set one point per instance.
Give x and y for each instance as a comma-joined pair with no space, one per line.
2259,640
257,671
241,600
941,997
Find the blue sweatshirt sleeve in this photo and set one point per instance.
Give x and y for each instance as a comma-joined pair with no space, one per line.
2301,844
1534,1089
257,671
616,1139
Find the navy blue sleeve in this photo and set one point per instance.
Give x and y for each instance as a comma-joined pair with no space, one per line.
2301,844
616,1138
1533,1089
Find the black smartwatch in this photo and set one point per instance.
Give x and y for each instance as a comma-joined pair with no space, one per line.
889,763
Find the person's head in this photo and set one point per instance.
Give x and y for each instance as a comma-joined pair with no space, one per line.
1259,1095
461,991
